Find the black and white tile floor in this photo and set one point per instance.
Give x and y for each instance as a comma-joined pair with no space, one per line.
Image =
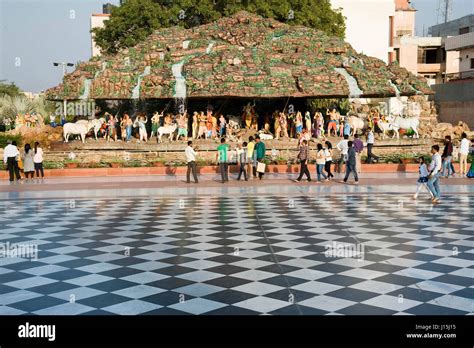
238,255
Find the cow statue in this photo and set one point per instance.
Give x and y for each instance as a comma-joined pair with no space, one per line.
81,128
406,123
387,127
169,129
356,123
96,124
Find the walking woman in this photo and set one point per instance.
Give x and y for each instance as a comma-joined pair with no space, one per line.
328,155
28,162
38,159
320,162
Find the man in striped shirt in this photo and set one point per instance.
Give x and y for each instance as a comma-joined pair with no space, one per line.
434,170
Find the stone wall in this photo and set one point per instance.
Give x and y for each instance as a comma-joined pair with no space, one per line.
455,102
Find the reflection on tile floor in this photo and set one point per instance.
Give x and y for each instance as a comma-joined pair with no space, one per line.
333,254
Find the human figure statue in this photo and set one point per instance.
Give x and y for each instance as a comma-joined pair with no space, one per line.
183,126
168,120
202,125
142,121
155,123
307,120
111,122
332,124
214,126
298,123
195,124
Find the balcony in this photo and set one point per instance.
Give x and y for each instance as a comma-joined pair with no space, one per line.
459,42
430,68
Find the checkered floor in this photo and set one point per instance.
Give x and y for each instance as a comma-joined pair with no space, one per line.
239,255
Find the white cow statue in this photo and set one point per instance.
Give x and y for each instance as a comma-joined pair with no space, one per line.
388,126
167,130
80,128
265,136
406,123
356,123
95,123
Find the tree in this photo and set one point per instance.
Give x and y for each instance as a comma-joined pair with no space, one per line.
136,19
9,89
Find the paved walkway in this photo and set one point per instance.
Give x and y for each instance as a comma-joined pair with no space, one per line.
156,245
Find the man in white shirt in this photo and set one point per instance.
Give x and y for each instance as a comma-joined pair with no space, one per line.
10,154
463,152
191,160
343,148
434,170
370,145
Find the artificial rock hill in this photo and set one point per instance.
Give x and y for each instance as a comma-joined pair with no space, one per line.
243,55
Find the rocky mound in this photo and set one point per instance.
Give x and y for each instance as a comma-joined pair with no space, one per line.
243,55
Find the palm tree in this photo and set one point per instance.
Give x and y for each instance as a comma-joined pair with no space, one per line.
10,107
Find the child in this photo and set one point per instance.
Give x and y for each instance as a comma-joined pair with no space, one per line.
242,160
423,179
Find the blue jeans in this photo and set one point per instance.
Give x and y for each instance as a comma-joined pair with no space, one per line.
319,171
433,185
447,165
129,132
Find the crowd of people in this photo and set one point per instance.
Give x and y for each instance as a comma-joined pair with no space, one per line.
29,160
250,159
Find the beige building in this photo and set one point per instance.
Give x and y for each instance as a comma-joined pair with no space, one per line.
423,56
369,25
97,21
463,47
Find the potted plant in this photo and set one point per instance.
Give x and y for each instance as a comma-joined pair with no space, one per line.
406,158
116,163
158,162
71,163
281,161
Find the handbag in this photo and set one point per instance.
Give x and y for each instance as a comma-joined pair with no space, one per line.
20,163
261,167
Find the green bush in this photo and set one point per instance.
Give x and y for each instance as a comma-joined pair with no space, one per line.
4,137
53,165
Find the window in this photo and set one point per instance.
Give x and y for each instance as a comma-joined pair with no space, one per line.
464,30
472,63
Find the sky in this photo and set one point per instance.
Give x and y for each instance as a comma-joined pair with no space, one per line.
36,33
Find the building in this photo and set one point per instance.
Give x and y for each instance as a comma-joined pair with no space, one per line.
369,25
463,46
455,95
455,27
97,21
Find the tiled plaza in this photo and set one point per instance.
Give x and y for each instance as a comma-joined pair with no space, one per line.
264,248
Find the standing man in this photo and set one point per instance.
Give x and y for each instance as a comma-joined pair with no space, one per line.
242,160
259,153
303,157
434,170
10,154
191,160
447,157
358,147
222,159
370,145
342,146
250,157
463,152
351,163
